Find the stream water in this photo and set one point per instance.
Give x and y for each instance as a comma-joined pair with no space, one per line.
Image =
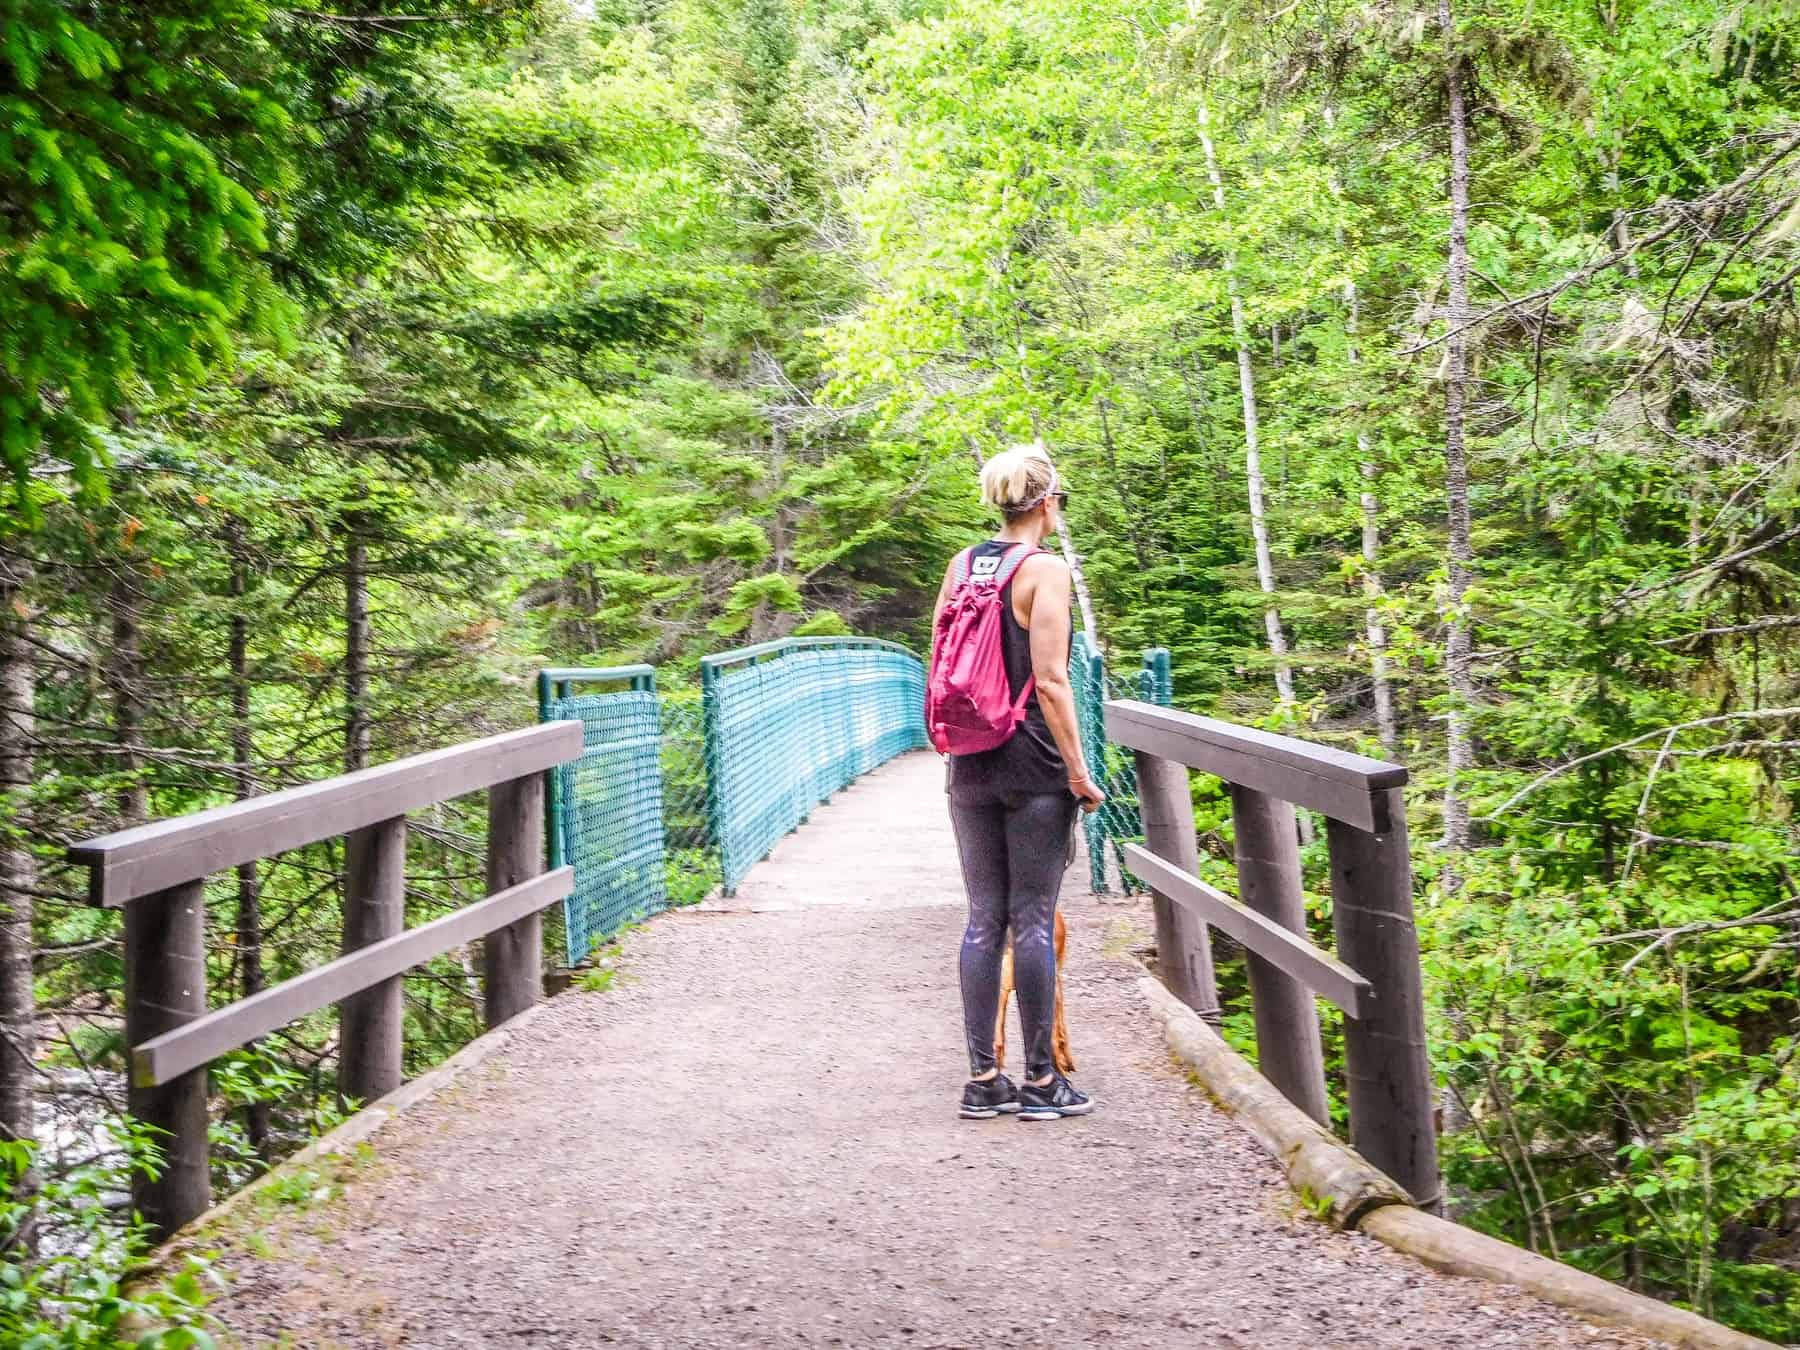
73,1111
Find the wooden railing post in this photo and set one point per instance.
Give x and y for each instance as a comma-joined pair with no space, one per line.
369,1023
1392,1121
1183,948
1288,1050
165,987
513,957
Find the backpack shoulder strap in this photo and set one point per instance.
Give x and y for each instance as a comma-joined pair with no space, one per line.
960,572
1012,563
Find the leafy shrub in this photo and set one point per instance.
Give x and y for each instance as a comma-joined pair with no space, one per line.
78,1297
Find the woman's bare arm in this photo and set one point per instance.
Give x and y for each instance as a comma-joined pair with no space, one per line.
1047,615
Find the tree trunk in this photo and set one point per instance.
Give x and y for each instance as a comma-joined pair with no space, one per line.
1253,475
1103,406
1459,646
1079,579
243,758
763,621
1374,630
128,692
356,645
1621,225
18,867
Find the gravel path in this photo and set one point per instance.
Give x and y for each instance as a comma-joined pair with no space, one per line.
751,1140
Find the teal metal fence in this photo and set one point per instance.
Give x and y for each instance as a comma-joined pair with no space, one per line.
1118,821
682,790
789,723
630,814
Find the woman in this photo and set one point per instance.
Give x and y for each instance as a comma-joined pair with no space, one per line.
1013,807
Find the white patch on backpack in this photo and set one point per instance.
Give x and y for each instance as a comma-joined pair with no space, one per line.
983,568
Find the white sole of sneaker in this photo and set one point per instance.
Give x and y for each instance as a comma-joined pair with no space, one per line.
986,1112
1054,1113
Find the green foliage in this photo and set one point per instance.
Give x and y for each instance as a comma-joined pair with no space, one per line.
81,1300
826,623
752,596
597,981
136,141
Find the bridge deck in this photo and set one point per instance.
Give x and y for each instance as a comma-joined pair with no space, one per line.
750,1140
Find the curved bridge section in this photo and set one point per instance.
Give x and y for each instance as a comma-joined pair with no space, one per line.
680,791
789,723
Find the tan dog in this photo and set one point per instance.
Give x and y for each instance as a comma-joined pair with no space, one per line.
1059,1036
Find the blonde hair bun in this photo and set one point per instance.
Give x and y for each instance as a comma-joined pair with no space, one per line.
1018,479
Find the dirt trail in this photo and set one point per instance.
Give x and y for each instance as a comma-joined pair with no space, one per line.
751,1140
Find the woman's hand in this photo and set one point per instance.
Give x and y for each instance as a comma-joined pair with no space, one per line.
1087,792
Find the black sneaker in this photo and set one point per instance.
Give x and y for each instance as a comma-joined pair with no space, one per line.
1052,1101
986,1098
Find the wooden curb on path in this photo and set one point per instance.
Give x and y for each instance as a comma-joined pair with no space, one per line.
1456,1250
1329,1175
1342,1186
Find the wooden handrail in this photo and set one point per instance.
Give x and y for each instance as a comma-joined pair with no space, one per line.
158,872
1375,976
1346,787
150,858
1297,958
203,1040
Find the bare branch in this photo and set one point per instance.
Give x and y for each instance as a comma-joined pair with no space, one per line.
1561,769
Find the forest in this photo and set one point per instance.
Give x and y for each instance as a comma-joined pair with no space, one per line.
1422,372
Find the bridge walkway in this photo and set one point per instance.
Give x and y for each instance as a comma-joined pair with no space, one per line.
750,1140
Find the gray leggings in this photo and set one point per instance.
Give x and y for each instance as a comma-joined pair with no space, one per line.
1013,848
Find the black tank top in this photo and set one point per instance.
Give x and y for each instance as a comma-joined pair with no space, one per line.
1029,760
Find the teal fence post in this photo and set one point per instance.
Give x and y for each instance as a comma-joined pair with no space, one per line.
1152,684
1092,684
843,765
712,735
553,798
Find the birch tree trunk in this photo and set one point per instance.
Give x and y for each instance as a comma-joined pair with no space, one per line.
18,868
1077,578
1373,629
1085,605
1253,474
1459,646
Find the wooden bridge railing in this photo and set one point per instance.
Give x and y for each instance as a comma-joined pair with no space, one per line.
157,873
1374,977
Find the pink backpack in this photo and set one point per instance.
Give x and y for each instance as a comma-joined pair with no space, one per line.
969,706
